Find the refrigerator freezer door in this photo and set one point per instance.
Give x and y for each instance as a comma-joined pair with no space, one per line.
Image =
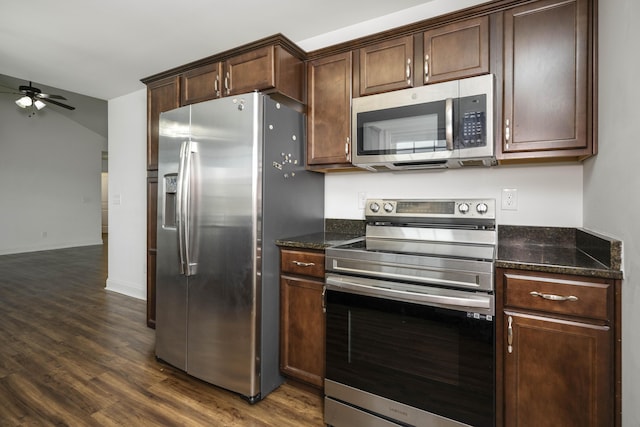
171,285
221,333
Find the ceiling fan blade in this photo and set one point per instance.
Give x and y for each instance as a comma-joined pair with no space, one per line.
60,104
47,96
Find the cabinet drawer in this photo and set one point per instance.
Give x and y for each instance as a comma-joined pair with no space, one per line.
305,263
559,295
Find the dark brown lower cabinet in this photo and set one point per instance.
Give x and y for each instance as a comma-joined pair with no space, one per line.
302,332
558,373
152,209
558,350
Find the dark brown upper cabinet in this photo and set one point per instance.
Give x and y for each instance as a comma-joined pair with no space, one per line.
548,81
268,69
329,111
162,95
264,69
201,84
456,50
386,66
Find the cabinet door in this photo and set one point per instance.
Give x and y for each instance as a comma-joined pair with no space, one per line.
457,50
152,219
302,330
386,66
329,110
162,95
558,373
250,71
546,80
201,84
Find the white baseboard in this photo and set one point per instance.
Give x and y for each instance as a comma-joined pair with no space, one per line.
49,247
127,288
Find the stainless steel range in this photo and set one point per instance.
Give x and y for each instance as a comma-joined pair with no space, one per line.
409,321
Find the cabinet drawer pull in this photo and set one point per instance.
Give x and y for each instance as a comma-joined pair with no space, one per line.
553,297
304,264
510,335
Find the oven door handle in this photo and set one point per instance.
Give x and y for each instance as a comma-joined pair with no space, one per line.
456,300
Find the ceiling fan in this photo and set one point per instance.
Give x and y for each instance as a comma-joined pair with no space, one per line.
34,98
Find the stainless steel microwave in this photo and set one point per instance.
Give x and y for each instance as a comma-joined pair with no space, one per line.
443,125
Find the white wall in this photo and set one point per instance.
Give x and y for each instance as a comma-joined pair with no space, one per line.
547,195
429,9
127,194
49,181
612,179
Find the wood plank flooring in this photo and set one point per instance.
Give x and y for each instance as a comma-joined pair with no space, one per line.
74,354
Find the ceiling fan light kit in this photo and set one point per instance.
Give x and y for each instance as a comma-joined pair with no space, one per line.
32,97
24,102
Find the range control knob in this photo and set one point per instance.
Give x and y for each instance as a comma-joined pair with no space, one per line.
463,208
388,207
482,208
374,207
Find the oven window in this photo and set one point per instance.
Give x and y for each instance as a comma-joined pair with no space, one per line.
438,360
403,130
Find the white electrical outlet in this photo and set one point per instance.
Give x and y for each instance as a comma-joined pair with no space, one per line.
509,199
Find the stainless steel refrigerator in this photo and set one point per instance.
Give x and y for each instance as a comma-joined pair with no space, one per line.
231,181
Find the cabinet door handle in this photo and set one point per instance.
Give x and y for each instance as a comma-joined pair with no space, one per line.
507,133
510,335
347,149
409,71
303,264
215,86
227,79
324,299
426,68
553,297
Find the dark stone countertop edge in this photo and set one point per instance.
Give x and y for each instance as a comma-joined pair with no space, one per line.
336,232
317,241
603,273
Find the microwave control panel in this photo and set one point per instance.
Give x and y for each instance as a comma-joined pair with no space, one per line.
472,122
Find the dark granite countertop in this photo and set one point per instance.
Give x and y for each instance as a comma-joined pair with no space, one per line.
337,231
319,241
545,249
559,250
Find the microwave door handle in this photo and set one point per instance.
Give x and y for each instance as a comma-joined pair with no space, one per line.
448,119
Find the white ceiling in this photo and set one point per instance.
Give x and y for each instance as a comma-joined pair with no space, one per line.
103,48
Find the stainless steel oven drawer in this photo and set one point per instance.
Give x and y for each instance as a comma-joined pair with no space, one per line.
337,414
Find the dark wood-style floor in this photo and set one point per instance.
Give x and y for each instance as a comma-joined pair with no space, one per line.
74,354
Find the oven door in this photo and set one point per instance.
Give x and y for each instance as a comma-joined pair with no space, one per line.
426,362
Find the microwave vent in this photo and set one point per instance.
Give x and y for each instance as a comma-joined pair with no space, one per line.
478,162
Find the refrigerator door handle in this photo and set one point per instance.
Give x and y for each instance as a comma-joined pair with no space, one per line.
183,216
